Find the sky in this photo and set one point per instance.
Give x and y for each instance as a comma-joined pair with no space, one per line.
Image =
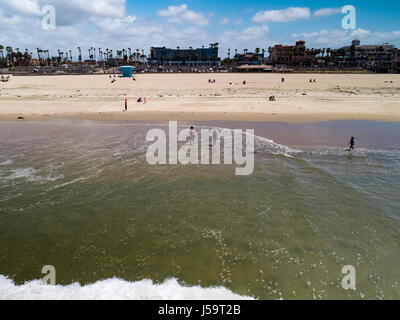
240,24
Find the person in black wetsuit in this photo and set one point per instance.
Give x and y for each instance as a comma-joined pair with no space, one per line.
351,144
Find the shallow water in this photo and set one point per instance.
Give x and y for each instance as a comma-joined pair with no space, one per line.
80,196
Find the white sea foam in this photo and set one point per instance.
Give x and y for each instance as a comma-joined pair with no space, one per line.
68,183
262,144
26,173
113,289
31,175
6,163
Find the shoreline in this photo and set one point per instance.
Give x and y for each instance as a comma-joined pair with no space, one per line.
198,116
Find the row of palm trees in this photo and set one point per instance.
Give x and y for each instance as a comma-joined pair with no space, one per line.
14,57
8,56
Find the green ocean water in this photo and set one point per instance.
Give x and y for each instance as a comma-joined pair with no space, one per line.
79,195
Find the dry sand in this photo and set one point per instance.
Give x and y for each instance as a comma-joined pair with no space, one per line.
191,97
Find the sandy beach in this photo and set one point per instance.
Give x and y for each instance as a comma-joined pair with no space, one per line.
191,97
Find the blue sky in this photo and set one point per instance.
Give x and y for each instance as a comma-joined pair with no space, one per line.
234,24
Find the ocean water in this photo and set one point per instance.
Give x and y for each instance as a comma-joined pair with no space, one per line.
80,196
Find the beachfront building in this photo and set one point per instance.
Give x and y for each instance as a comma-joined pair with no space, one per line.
380,57
249,58
201,57
291,55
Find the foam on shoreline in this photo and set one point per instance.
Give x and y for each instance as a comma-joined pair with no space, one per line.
113,289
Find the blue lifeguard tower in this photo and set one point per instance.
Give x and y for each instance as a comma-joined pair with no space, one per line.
127,71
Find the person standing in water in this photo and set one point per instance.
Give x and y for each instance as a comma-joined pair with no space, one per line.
192,135
215,137
352,144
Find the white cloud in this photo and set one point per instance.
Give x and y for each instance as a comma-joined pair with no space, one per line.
181,14
284,15
68,12
327,12
224,21
250,38
22,7
253,33
102,29
106,8
104,24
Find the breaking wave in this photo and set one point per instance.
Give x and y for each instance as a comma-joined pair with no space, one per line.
113,289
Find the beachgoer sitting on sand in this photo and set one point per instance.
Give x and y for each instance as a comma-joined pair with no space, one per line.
244,82
144,100
139,100
314,80
283,79
272,98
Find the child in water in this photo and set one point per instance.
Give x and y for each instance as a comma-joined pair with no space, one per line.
352,144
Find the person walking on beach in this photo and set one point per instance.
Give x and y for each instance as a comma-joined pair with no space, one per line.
352,144
126,104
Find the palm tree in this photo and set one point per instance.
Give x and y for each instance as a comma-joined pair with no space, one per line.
129,54
107,54
39,51
137,55
90,54
203,56
48,56
80,55
179,56
10,55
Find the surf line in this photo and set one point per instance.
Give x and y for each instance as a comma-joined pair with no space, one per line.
188,153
